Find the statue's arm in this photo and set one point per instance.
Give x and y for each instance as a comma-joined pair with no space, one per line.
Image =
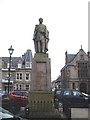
47,34
35,32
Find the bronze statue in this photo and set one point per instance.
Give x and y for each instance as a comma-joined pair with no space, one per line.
41,37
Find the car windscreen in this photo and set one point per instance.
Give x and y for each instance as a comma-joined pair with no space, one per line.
17,93
25,94
76,93
58,92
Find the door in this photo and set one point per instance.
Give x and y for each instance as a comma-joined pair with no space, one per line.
83,87
78,99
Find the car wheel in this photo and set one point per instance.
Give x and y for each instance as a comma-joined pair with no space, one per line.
60,107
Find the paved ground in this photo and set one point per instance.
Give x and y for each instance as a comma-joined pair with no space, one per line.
80,113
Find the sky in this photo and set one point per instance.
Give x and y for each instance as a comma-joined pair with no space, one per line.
66,20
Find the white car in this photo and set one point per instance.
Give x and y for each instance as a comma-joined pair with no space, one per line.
6,115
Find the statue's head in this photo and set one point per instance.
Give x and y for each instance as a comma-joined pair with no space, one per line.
41,20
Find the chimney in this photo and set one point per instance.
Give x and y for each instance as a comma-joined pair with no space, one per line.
88,53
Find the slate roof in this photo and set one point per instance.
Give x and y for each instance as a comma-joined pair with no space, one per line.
27,57
58,79
14,61
70,57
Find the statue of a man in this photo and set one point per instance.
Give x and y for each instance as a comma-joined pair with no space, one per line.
41,37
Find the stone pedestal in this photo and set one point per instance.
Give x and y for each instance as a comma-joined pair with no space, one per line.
41,106
41,72
41,102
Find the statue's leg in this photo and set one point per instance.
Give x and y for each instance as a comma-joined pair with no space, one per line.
35,46
43,45
39,48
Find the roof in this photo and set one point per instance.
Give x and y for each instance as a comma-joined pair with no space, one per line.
14,61
27,57
70,57
58,79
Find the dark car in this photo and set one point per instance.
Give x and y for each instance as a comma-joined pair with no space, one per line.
70,98
18,95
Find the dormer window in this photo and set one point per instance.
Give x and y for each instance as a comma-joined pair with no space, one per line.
7,65
30,64
27,65
19,65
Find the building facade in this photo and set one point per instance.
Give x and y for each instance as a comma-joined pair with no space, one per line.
20,72
76,72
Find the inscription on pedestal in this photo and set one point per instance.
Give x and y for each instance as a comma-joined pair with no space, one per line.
41,74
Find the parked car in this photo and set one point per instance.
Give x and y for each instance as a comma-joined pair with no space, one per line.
6,115
18,95
70,98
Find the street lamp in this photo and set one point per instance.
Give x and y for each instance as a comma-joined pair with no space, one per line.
10,52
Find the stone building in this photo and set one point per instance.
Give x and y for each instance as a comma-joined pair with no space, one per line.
56,83
76,72
0,74
20,72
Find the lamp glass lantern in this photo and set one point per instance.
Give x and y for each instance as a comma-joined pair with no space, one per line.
11,50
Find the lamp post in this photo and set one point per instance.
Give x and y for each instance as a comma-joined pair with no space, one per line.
10,52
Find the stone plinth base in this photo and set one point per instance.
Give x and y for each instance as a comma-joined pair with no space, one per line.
41,101
41,105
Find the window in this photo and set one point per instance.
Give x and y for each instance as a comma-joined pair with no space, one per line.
20,87
30,64
7,65
81,57
58,92
27,65
19,76
17,87
19,65
76,93
27,76
27,87
17,93
82,70
67,92
73,85
25,94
